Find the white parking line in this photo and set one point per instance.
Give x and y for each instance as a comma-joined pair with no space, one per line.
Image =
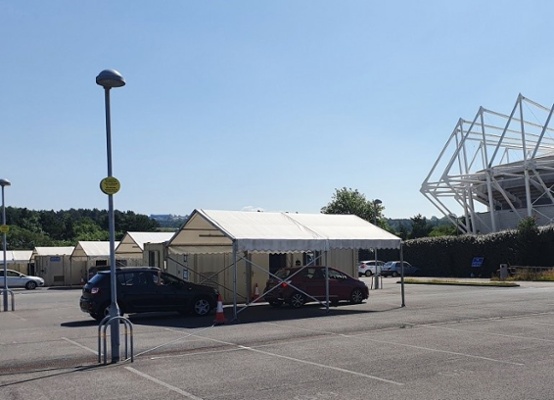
302,361
437,350
195,353
13,314
322,365
166,385
80,345
491,333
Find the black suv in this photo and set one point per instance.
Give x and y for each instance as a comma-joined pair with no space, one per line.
146,289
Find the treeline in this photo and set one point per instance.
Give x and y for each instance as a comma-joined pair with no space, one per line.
419,226
29,229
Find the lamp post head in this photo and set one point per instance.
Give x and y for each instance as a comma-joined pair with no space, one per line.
5,182
377,201
110,78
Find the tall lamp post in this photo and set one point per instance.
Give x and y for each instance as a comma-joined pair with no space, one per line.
108,79
376,203
4,182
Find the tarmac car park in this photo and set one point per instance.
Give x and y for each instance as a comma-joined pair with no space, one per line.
448,342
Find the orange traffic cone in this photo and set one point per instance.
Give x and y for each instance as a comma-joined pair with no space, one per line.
255,294
219,316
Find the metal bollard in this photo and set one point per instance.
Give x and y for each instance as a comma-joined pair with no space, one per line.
10,292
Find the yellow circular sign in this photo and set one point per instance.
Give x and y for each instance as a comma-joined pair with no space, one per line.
4,228
110,185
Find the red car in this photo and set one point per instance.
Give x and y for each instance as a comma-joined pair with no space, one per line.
299,285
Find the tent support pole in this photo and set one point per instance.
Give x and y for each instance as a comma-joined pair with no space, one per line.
326,278
402,274
235,281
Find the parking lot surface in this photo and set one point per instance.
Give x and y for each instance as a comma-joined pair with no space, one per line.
448,342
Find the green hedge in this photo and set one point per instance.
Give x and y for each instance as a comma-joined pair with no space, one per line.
451,256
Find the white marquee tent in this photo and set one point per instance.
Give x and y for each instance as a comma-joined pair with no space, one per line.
208,231
213,231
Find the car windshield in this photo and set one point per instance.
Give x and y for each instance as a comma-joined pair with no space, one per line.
282,273
96,279
171,280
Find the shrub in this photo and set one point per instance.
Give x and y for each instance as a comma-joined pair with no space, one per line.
451,256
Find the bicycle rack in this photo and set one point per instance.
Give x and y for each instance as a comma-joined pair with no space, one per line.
2,291
377,280
103,326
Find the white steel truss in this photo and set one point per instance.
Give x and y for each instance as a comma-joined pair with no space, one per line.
497,168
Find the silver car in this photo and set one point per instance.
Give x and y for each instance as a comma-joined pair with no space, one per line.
19,280
394,268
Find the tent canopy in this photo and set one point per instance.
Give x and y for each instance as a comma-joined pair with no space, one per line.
92,249
16,256
211,231
53,251
133,242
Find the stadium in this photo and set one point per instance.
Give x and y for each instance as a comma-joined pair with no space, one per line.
496,170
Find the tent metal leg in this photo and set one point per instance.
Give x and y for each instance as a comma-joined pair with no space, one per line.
402,275
235,272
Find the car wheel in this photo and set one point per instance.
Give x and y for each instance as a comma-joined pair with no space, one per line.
276,304
297,300
97,317
368,273
356,297
104,311
201,306
395,274
30,285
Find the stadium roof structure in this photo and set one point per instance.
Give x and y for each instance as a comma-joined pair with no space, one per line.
497,168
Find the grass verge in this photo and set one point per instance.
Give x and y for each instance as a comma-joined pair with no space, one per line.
459,283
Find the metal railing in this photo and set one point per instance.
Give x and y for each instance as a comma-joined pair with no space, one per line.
102,343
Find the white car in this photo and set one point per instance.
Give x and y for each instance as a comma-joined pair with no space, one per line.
367,268
17,279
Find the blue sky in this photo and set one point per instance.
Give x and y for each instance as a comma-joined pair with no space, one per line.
254,104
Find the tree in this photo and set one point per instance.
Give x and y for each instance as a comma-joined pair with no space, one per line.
350,201
527,234
403,232
29,229
443,230
527,227
130,222
24,239
87,229
420,227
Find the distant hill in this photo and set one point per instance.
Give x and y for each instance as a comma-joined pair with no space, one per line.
397,223
169,220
